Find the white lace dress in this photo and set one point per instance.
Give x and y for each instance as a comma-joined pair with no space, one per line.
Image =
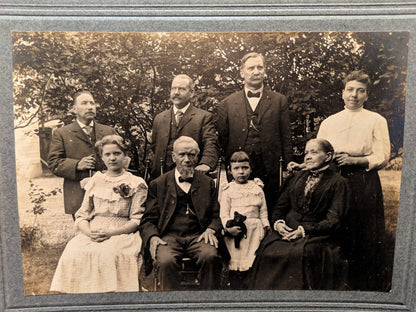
248,199
109,266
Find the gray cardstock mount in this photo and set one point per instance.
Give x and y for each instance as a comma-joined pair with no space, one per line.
210,16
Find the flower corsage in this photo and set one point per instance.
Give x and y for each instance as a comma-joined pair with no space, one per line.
124,190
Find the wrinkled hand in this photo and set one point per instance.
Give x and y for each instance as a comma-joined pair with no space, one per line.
234,231
283,229
87,162
294,235
203,168
344,159
293,166
154,243
99,236
209,237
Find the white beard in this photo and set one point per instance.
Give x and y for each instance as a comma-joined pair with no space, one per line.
186,172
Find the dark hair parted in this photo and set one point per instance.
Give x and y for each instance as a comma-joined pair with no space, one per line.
250,55
111,139
357,75
239,156
76,95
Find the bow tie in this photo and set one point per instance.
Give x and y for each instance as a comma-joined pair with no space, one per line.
189,180
253,94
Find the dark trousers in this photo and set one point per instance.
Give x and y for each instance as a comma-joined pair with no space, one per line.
205,255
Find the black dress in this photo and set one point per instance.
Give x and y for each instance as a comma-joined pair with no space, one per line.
312,262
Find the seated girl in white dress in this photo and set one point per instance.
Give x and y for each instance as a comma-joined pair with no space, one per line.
247,198
103,256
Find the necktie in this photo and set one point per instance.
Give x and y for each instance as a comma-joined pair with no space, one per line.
88,130
189,180
253,94
179,115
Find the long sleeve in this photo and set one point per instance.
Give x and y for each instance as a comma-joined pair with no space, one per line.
86,211
286,132
225,208
222,125
58,162
380,145
210,150
148,226
338,207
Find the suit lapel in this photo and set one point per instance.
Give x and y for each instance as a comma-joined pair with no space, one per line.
239,108
190,112
165,128
264,103
170,195
79,133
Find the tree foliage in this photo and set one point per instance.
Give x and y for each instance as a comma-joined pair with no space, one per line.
130,74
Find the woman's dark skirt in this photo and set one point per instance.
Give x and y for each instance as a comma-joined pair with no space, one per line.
363,234
308,263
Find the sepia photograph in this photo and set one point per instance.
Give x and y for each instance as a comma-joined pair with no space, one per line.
197,161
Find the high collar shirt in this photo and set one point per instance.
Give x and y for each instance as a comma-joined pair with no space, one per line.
253,101
360,133
185,186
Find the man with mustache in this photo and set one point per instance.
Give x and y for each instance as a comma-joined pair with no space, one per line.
256,120
72,153
183,119
182,219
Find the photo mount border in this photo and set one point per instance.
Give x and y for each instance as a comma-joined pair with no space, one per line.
227,16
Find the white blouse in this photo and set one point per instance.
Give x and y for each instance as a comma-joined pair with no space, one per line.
359,133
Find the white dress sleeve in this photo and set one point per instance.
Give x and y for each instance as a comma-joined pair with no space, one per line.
225,206
380,144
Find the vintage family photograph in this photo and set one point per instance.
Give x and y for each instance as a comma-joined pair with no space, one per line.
208,161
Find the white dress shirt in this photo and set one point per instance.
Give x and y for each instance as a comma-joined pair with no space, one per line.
254,101
185,186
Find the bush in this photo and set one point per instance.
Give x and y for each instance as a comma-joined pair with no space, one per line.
30,237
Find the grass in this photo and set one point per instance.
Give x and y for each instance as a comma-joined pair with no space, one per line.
57,228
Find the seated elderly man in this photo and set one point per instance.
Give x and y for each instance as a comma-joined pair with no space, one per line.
182,219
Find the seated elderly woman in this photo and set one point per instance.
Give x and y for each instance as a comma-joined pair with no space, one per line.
301,252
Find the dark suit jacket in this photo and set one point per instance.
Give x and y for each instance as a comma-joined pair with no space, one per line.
197,124
274,120
161,205
70,144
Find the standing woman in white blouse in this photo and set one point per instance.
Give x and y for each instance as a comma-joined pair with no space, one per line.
362,146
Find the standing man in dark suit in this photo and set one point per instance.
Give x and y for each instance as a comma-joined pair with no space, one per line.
72,153
183,119
256,120
182,218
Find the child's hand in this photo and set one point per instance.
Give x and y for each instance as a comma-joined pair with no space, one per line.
234,231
